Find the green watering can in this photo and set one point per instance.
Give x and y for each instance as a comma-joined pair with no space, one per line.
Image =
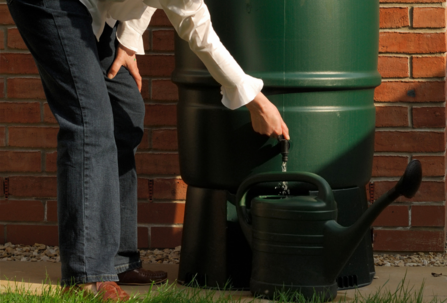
296,242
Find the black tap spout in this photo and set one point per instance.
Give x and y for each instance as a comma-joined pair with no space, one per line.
284,147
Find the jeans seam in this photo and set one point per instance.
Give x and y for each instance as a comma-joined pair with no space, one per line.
89,279
84,122
126,267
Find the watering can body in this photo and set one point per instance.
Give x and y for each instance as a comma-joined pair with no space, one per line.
287,237
296,241
288,233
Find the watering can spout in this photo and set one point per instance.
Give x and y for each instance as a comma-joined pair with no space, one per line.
340,242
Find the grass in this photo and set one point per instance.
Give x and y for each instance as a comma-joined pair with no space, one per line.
174,294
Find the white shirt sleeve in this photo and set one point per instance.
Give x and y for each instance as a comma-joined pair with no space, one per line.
130,33
191,20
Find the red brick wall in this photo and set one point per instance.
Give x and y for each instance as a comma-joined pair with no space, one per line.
410,124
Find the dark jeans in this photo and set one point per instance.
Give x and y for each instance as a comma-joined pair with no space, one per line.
101,125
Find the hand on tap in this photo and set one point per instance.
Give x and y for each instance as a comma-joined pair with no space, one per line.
266,118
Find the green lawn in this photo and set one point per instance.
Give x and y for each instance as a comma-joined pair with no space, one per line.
173,294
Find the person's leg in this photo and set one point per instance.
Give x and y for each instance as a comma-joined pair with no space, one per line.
59,35
128,114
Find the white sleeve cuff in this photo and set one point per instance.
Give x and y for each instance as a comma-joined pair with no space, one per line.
130,38
237,96
130,33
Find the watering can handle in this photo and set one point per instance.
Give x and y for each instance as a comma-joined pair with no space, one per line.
324,192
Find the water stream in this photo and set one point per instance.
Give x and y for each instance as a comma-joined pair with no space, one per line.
283,186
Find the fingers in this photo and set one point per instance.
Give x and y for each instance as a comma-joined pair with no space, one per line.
133,69
285,131
114,68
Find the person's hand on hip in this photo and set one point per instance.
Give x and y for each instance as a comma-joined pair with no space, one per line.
125,57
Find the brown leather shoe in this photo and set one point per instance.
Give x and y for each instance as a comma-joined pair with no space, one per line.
107,291
142,276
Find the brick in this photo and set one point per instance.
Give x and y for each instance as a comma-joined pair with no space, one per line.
2,233
432,166
17,64
30,234
143,188
19,112
160,115
428,215
410,91
389,166
170,189
5,16
160,19
51,162
2,39
428,17
20,161
2,88
143,237
156,65
147,40
29,186
163,40
427,67
408,240
2,136
25,88
52,211
392,116
157,164
31,211
429,191
431,117
145,90
48,116
161,213
15,40
164,139
394,17
390,141
164,90
166,237
393,216
45,137
1,187
145,141
393,67
412,43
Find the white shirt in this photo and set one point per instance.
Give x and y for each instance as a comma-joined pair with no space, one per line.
191,20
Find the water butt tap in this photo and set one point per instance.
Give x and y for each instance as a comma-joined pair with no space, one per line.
284,146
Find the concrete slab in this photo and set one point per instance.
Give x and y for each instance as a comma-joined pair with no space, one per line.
33,275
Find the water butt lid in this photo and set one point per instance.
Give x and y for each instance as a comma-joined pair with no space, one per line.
291,206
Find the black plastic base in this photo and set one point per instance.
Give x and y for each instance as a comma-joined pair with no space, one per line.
317,292
214,249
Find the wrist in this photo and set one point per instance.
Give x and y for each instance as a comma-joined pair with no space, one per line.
258,103
127,50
